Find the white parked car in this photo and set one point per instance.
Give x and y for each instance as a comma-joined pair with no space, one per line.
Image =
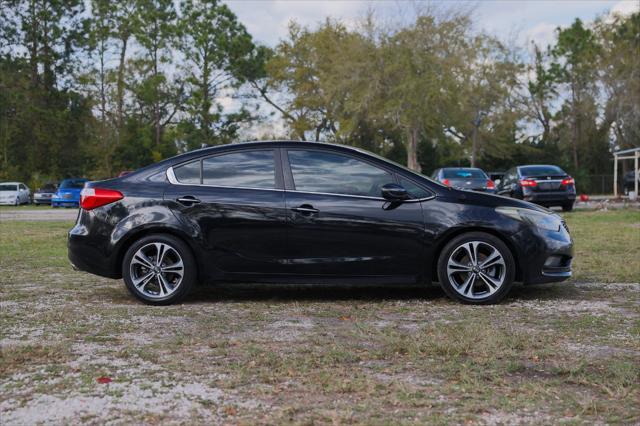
14,193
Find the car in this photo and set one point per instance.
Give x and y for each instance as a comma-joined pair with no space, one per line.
68,193
45,193
465,178
304,212
546,185
628,181
14,193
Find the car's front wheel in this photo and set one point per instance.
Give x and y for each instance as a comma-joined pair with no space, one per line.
476,268
159,269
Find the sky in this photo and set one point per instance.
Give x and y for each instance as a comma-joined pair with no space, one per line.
536,20
521,21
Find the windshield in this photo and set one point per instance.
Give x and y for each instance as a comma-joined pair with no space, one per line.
48,187
72,184
6,187
464,174
541,170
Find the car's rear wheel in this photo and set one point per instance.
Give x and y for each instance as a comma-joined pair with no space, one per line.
567,207
476,268
159,269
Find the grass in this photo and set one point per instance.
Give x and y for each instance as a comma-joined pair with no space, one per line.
274,354
607,245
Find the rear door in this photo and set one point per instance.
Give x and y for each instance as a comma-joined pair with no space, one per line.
338,222
235,203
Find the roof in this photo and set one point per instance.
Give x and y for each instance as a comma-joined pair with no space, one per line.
626,151
11,183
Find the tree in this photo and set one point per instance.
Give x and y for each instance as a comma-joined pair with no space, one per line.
158,97
215,47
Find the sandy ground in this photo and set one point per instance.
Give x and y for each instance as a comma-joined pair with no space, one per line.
32,215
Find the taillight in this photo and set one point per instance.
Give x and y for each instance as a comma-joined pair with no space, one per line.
490,184
528,182
446,182
568,181
90,198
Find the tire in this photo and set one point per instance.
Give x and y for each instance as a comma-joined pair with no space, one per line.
154,286
469,284
567,207
17,203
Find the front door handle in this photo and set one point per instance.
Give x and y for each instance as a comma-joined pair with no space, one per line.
188,200
305,209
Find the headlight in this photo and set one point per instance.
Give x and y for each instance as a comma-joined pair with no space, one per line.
549,221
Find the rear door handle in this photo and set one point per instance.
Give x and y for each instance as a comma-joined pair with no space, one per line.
305,209
188,200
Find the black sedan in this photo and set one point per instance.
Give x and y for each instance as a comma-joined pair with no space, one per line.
541,184
311,213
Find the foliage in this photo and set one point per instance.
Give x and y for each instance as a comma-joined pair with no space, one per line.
122,84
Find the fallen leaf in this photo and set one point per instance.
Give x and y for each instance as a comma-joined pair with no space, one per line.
104,380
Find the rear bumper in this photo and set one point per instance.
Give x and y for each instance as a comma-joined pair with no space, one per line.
90,253
550,197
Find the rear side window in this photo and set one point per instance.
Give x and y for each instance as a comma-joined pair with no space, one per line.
247,169
541,171
188,173
317,171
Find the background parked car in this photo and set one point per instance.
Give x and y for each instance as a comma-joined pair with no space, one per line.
44,194
14,193
68,194
546,185
627,182
465,178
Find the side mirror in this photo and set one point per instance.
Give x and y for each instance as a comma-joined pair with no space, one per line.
394,192
497,181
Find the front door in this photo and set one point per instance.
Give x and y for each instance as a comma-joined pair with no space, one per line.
340,224
235,203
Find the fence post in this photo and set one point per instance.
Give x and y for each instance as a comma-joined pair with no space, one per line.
615,175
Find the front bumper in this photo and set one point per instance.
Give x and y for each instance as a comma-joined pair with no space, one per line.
65,202
544,256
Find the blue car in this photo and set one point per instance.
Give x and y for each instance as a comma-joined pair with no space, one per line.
68,194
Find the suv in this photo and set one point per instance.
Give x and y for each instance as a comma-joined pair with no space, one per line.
541,184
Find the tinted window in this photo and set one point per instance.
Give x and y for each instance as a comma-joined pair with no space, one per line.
23,187
188,173
72,184
541,171
413,189
316,171
6,187
249,169
464,174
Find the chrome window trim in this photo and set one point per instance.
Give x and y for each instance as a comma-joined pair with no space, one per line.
171,176
172,180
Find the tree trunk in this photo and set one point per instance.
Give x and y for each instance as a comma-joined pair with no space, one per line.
120,88
412,149
474,145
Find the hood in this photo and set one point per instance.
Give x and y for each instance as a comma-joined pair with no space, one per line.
491,200
5,193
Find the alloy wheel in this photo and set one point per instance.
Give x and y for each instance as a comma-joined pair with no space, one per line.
156,270
476,269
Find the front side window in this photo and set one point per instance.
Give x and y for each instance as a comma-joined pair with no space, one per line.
317,171
413,189
247,169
